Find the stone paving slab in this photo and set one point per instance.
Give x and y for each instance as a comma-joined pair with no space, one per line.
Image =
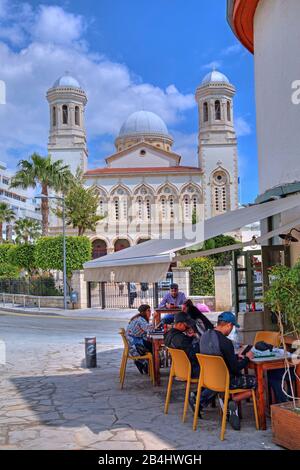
49,401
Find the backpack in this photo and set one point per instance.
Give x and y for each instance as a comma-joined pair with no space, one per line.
209,343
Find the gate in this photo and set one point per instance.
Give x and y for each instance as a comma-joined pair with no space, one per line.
124,294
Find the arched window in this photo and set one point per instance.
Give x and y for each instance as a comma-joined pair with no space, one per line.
221,192
217,110
77,116
224,199
186,203
54,116
148,209
65,114
228,111
101,207
140,208
117,214
124,208
195,204
171,203
163,208
205,112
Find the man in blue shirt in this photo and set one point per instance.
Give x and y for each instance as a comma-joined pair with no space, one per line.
174,298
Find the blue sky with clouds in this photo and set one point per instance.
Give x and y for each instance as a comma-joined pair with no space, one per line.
127,54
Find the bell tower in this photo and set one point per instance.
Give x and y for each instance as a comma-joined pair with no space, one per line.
217,150
67,135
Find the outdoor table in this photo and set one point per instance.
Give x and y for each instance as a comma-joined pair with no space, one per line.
167,311
260,365
157,343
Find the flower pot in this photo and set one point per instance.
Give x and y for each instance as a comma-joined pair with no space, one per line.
286,425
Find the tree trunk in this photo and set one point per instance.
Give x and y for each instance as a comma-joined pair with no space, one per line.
1,233
45,211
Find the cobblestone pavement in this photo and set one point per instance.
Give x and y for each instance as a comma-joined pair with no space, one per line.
51,401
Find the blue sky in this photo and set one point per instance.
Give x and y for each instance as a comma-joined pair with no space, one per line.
127,54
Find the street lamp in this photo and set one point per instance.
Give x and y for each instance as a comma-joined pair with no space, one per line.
42,196
288,237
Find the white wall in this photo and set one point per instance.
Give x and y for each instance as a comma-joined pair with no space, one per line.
277,65
134,159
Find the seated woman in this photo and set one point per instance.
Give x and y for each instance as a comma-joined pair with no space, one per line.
136,334
201,322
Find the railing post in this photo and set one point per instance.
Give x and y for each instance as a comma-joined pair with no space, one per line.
103,304
39,303
155,295
24,301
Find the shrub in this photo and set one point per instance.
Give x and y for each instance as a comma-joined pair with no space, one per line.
23,256
49,253
5,250
202,276
8,271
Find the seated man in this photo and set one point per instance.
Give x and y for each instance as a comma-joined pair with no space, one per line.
172,299
215,342
181,337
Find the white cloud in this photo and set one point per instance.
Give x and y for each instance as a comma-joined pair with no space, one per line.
186,145
53,24
242,127
215,64
234,49
113,90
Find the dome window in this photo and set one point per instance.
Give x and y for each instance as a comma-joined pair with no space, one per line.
65,114
142,153
77,119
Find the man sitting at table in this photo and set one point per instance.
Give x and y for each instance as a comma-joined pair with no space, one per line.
181,337
172,299
215,343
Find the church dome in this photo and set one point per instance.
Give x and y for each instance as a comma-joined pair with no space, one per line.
215,77
66,80
143,122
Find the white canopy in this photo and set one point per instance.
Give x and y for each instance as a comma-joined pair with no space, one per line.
149,261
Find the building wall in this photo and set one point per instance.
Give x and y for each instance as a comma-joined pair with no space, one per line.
277,65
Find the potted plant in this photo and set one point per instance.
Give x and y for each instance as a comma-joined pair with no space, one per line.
283,298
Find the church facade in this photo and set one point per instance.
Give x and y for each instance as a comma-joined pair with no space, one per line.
143,189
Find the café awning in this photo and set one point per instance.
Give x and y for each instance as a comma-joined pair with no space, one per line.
149,261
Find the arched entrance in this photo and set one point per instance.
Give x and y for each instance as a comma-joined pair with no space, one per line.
121,244
99,248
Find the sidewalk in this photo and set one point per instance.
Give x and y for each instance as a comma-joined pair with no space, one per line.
87,313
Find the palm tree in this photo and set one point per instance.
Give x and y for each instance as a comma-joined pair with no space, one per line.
42,171
27,230
6,215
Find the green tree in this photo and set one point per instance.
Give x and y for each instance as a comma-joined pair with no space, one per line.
23,256
202,276
6,215
49,253
27,230
81,204
43,172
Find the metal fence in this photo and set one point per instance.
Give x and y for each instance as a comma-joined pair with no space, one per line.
124,295
28,286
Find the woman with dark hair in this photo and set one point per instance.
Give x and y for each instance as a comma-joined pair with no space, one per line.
136,333
202,323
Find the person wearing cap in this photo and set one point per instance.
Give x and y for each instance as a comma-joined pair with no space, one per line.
138,328
216,343
180,337
172,299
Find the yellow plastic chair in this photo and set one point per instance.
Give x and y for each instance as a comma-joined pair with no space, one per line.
214,375
181,369
148,357
270,337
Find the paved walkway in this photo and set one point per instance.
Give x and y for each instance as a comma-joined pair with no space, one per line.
51,401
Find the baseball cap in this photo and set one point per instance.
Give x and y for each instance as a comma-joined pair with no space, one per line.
182,318
228,317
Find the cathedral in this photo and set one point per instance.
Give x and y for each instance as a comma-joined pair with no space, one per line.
143,188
